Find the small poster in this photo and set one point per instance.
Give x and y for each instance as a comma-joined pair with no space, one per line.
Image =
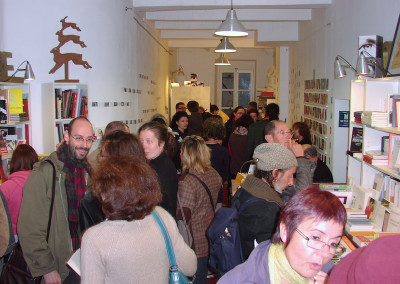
344,118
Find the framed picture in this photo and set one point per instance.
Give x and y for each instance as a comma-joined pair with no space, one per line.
393,68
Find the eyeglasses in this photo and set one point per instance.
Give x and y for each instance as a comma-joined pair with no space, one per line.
315,243
184,108
80,139
281,132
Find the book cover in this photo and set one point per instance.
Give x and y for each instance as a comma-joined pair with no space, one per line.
16,101
356,140
3,111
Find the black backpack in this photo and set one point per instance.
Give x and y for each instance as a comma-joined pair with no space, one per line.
224,236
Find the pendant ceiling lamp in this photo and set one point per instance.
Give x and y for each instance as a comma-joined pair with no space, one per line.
222,60
225,46
231,26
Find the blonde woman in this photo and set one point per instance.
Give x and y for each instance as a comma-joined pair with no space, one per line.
198,191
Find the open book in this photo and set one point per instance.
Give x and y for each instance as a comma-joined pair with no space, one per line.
75,261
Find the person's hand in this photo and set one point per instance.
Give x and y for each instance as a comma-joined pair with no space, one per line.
296,148
52,278
320,278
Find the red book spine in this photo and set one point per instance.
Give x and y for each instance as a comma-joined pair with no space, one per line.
74,104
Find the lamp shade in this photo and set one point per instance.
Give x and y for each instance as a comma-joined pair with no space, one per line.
340,72
29,72
222,60
231,26
362,65
225,46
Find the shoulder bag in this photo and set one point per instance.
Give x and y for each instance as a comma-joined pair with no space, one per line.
183,226
175,276
16,270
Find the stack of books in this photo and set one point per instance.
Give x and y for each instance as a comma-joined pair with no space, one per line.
375,118
19,117
376,158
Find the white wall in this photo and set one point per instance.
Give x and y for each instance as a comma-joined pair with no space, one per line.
201,62
118,49
332,32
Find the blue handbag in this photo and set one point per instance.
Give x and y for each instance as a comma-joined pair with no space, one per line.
175,276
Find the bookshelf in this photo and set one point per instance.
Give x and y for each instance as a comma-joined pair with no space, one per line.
380,182
19,130
56,122
370,95
316,115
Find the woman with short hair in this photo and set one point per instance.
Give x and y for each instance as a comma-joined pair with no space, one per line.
129,246
310,228
198,205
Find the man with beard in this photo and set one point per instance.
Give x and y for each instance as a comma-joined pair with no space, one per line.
274,172
48,258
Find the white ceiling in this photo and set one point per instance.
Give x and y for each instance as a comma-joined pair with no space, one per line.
184,23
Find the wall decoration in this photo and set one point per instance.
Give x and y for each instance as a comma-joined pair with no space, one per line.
393,68
64,58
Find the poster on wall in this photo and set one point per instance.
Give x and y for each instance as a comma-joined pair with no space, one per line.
393,68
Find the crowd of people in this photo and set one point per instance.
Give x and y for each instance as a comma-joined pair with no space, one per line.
103,202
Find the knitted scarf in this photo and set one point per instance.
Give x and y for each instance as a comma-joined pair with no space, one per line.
75,185
279,267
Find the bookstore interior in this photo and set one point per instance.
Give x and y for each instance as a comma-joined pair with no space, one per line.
371,193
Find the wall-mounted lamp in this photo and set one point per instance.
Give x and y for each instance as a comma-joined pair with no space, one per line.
365,64
340,69
362,67
222,60
225,46
29,75
231,26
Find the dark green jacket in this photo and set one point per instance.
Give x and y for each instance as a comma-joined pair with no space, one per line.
43,257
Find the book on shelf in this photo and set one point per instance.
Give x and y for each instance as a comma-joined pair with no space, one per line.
3,111
342,191
16,101
376,162
391,108
356,140
360,197
357,116
58,102
375,118
359,225
362,240
377,154
394,149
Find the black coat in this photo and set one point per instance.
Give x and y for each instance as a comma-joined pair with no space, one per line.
168,179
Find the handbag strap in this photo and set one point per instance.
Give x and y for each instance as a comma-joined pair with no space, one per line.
52,198
167,240
207,189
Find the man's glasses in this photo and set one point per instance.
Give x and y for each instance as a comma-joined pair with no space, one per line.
315,243
80,139
182,108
